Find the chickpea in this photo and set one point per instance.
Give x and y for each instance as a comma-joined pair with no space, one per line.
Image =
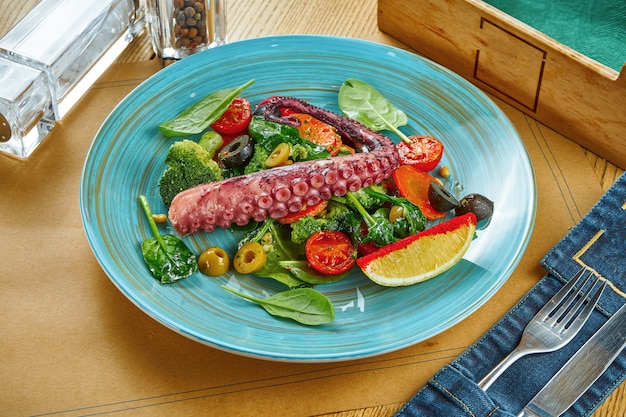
444,171
250,258
159,218
213,262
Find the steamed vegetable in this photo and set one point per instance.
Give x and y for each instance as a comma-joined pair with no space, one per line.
189,164
379,228
336,216
408,219
167,257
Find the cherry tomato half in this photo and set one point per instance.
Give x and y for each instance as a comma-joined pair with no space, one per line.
413,184
424,152
330,252
235,119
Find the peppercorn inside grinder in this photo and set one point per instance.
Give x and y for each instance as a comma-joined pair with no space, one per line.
179,28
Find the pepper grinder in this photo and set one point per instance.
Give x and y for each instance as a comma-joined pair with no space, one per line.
51,57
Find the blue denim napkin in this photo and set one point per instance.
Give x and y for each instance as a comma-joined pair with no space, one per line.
598,242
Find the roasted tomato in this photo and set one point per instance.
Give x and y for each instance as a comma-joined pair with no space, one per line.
413,184
330,252
424,152
235,119
318,132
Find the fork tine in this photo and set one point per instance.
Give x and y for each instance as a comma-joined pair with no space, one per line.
583,297
563,313
555,301
580,319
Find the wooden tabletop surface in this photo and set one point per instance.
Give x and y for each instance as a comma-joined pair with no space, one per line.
254,18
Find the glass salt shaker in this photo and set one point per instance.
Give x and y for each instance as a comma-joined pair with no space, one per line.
26,114
70,42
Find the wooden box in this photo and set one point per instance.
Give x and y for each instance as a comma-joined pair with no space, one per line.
573,94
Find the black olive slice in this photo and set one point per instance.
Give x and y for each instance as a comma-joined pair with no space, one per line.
237,153
440,198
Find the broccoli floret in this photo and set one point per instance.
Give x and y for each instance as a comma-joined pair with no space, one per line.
257,163
304,227
335,217
189,164
299,153
339,217
368,201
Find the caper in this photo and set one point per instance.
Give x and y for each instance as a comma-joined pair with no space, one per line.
213,262
237,153
440,198
478,204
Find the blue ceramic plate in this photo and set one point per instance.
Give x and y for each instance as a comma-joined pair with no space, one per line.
483,150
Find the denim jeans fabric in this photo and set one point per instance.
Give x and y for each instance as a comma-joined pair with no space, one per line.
597,242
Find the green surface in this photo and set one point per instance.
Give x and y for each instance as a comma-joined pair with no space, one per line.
595,28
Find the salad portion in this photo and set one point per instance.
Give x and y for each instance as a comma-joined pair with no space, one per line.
312,195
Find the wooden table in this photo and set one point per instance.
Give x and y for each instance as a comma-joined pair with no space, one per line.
253,18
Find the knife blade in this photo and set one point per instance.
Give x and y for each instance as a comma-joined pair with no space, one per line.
581,370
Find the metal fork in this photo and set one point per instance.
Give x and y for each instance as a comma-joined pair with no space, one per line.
555,324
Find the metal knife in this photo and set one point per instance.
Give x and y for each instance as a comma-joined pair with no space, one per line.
581,370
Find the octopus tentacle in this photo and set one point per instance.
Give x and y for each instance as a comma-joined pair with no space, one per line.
276,192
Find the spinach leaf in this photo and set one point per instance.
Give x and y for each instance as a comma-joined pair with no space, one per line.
413,220
363,103
167,257
304,305
270,135
379,228
304,272
278,248
274,270
200,116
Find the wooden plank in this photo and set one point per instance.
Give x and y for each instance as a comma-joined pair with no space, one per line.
573,94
